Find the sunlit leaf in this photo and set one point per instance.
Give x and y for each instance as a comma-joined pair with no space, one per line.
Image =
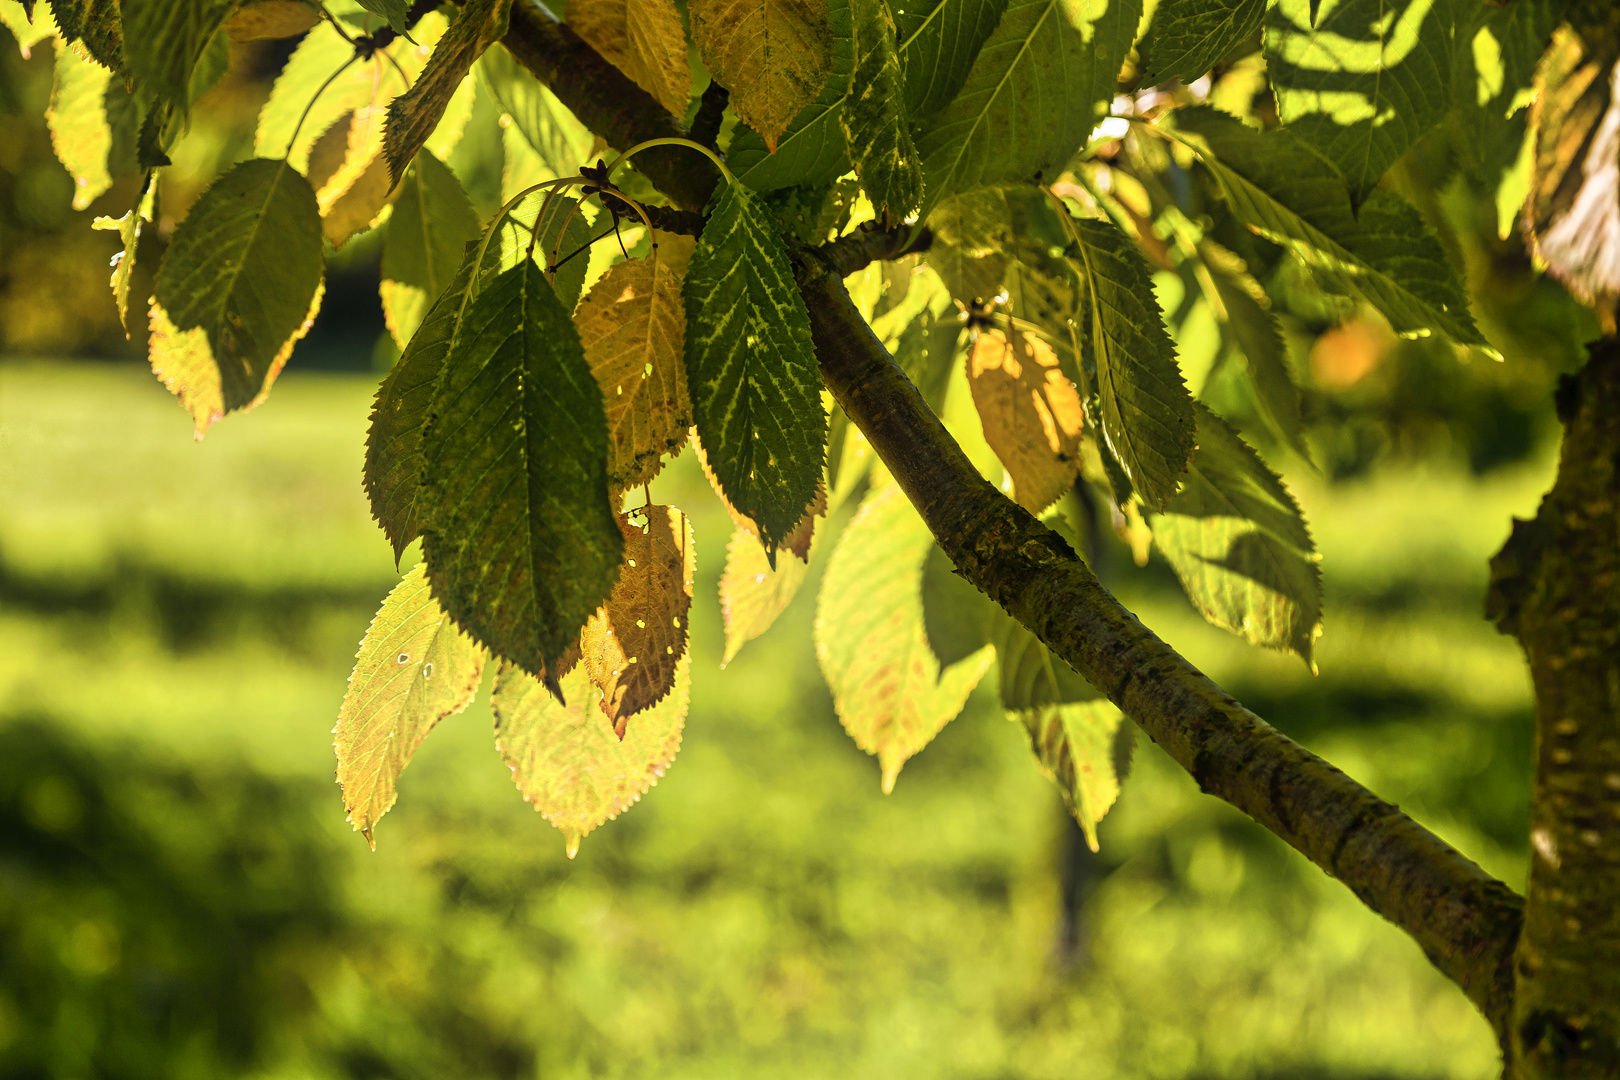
813,150
27,32
397,12
1257,335
520,540
773,55
939,40
752,592
633,327
351,183
77,118
1085,749
550,130
128,228
643,39
632,647
566,759
413,116
413,670
1031,414
798,539
1188,37
887,686
423,244
751,367
98,26
875,123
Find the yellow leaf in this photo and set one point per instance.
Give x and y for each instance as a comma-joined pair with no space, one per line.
1031,414
414,669
633,326
261,19
773,55
128,229
634,642
643,39
886,682
77,118
752,594
565,758
184,364
351,182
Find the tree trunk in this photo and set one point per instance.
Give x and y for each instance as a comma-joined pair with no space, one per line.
1556,587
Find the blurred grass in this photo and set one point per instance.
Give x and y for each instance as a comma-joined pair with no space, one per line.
179,894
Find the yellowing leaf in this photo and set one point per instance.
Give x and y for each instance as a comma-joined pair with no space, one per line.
261,19
643,39
1084,748
77,118
752,593
565,758
351,183
414,669
633,643
886,683
633,326
1031,414
128,228
773,55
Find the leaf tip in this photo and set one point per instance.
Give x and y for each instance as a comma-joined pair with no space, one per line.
891,773
571,843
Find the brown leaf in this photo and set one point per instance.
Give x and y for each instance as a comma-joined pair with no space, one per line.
633,326
1031,414
643,39
773,55
798,538
634,642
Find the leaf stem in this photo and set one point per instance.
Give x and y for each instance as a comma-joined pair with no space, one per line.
335,24
688,143
500,216
330,79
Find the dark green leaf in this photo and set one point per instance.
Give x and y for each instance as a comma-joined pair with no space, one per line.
874,122
165,41
1188,37
751,367
422,245
397,12
1147,414
1238,542
97,23
1365,82
1257,335
414,114
244,266
1031,98
939,40
521,543
394,466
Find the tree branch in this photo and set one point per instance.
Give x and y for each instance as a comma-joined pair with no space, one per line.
1465,920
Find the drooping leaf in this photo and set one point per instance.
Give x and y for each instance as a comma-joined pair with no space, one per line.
128,228
1238,542
1147,414
395,467
1257,336
550,130
259,20
243,269
643,39
397,12
351,183
1188,37
566,759
874,120
1032,96
424,242
887,686
634,644
1388,257
812,151
165,42
798,539
77,118
752,592
773,55
1031,414
939,40
1085,749
520,540
633,326
413,670
751,366
1363,83
98,24
413,115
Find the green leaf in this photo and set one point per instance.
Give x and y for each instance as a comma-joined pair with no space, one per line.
414,114
165,41
99,25
395,467
520,540
77,118
1363,83
874,122
268,20
1238,542
397,12
1085,749
1284,192
939,40
1032,96
1147,414
752,592
813,149
1188,37
887,686
128,228
413,670
423,243
565,758
751,367
550,130
243,268
1257,335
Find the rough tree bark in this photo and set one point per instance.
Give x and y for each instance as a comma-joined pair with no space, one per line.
1556,587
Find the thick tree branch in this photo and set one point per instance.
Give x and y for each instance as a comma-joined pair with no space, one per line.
1465,920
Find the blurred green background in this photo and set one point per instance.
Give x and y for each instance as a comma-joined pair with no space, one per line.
180,896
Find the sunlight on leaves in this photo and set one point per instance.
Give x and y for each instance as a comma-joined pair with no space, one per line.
773,55
1031,414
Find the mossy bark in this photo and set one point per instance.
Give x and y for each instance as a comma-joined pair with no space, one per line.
1556,587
